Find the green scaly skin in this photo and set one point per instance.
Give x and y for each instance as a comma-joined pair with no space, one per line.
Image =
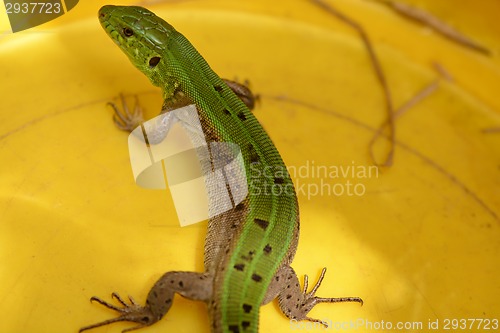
248,250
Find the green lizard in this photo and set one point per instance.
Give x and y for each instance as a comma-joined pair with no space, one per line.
249,249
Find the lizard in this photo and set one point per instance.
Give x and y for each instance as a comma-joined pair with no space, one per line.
248,249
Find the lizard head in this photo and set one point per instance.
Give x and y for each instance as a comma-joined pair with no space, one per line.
140,34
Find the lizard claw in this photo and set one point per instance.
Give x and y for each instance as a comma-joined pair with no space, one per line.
125,119
307,300
132,312
310,300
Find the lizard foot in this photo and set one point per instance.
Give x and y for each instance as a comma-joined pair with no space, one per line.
125,119
298,305
132,312
242,90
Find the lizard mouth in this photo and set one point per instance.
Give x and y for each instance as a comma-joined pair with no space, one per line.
112,33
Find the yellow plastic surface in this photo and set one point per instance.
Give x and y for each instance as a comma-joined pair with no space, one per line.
421,244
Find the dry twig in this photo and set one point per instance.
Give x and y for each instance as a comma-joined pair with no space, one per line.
379,72
436,24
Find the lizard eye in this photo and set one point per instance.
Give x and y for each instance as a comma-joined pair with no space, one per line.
128,32
154,61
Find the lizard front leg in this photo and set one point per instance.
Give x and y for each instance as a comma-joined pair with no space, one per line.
242,90
294,302
195,286
127,118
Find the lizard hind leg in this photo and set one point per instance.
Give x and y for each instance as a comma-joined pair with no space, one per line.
192,285
296,303
132,312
